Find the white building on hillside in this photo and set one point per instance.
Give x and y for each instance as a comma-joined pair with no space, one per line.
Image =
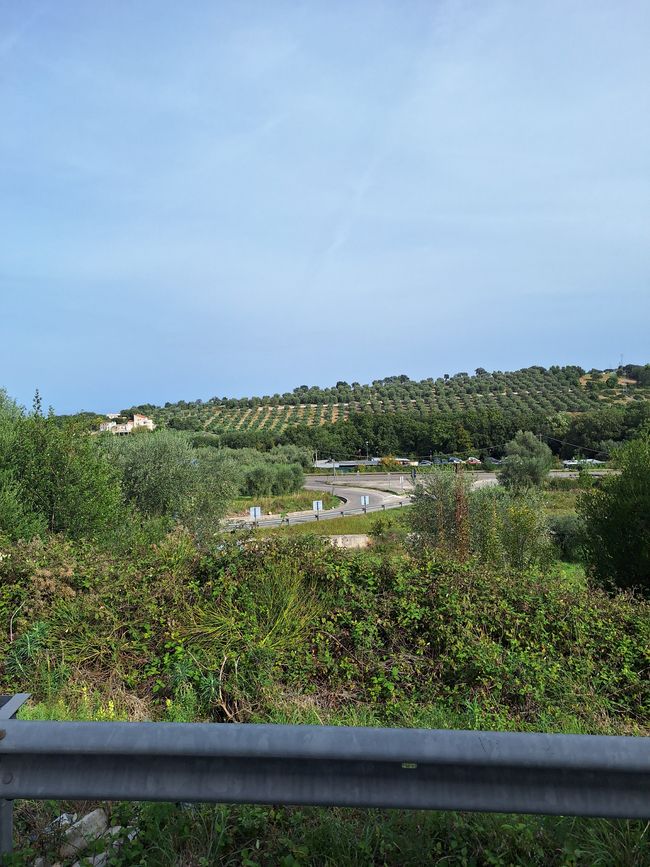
142,421
138,421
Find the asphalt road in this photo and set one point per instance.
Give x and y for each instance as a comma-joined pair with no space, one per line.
350,496
402,482
395,483
384,490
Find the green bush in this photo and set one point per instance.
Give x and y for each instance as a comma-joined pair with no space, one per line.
258,626
508,530
54,477
527,462
568,535
616,517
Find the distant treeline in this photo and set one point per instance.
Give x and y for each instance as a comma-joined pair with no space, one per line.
532,390
593,433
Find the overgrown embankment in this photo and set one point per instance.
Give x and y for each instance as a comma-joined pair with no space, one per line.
290,630
262,628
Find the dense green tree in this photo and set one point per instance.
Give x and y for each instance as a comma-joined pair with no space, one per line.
213,484
527,462
616,518
16,520
59,476
163,475
156,469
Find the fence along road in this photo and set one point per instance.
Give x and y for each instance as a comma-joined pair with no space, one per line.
578,775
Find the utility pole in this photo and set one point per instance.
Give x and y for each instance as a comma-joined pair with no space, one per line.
367,458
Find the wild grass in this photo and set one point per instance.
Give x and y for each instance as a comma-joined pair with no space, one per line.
300,501
363,524
199,835
559,502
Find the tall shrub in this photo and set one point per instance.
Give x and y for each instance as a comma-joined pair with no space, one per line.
61,477
527,462
616,518
500,527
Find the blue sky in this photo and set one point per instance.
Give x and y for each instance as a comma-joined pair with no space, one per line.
237,198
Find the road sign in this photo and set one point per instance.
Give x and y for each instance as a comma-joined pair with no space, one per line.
317,505
365,499
255,512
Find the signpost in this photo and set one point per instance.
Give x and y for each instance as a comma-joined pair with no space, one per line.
255,513
365,500
317,506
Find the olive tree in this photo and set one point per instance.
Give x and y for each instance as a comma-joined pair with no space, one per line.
527,462
162,475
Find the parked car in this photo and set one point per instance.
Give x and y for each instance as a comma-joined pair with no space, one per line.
494,461
425,463
455,461
474,461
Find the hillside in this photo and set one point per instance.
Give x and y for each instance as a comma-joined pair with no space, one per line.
532,389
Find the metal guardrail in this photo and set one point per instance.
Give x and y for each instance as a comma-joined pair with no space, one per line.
580,775
310,517
9,707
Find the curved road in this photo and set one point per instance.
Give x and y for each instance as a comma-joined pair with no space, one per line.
385,491
349,494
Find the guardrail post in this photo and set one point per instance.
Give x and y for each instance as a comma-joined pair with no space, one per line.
9,706
6,826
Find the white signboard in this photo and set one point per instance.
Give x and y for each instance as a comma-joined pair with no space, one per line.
255,512
365,499
317,505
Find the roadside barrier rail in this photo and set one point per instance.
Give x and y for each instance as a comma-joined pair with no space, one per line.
309,517
577,775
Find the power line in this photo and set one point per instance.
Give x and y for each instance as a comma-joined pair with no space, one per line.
576,446
489,448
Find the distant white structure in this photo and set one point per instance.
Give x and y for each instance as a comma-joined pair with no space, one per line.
138,421
142,421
